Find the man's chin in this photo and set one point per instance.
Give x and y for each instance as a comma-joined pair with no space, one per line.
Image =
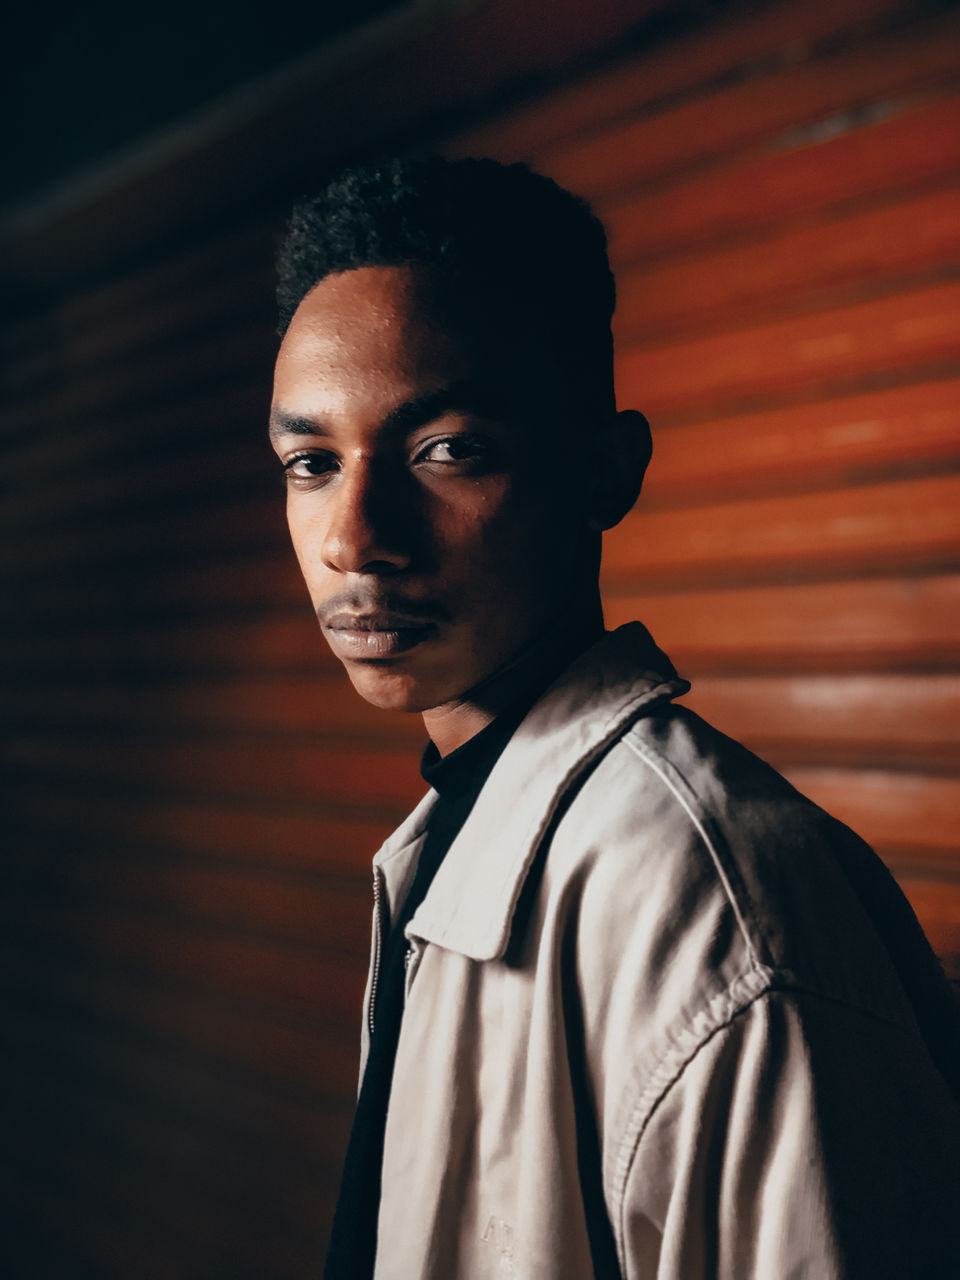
389,689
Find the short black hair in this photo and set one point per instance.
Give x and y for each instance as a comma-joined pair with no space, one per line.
504,226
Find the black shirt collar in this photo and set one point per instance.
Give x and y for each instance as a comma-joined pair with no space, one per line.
464,771
468,767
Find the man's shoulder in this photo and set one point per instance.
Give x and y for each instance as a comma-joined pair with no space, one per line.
704,887
684,838
757,827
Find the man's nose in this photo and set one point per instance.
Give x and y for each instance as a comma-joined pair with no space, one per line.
366,531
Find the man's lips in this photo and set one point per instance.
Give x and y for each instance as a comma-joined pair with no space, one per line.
375,635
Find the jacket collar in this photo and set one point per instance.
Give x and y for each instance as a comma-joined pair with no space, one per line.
470,905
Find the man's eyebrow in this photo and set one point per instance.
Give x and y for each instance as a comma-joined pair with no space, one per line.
460,398
293,424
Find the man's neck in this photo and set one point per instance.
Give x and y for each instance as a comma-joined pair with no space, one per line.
452,724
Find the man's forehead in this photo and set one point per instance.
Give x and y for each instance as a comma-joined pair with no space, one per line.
400,333
377,317
379,295
411,302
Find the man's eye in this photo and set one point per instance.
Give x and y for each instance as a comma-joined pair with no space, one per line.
307,466
466,450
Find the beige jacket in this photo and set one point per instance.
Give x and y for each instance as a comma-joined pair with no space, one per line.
651,1029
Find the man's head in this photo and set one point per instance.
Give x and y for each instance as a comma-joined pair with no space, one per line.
444,411
508,237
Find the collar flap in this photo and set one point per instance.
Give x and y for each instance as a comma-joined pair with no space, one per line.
470,904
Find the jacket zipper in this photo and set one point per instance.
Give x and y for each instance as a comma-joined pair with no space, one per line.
377,931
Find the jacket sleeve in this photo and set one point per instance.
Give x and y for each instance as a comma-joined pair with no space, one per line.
804,1140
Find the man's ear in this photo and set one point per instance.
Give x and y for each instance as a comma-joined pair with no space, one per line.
625,448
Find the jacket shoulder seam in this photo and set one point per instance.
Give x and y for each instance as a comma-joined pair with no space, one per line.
752,986
726,871
681,1049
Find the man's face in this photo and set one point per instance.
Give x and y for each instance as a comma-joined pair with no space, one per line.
433,491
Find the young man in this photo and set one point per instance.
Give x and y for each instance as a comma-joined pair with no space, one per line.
636,1008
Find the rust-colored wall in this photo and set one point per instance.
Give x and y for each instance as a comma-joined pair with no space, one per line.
192,793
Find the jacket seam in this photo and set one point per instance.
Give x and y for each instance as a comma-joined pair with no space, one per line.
726,875
758,981
673,1064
